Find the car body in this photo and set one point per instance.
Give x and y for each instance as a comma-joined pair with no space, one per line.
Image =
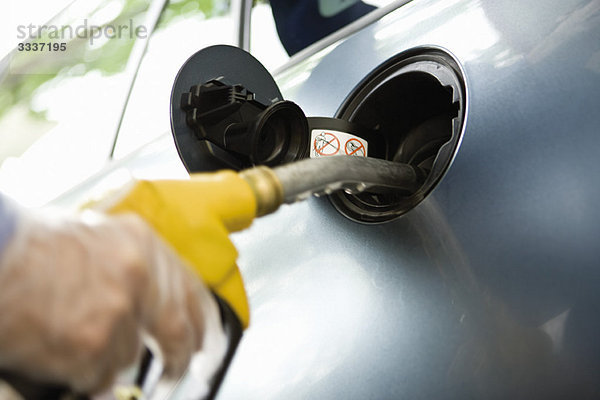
488,288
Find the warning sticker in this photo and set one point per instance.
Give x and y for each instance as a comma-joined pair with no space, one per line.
326,142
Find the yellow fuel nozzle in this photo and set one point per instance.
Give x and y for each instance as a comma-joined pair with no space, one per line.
196,216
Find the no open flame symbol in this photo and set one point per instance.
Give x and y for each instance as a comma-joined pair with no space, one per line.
355,147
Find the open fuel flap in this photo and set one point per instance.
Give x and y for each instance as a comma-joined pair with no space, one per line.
227,112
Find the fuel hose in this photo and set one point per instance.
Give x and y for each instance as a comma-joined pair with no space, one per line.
296,181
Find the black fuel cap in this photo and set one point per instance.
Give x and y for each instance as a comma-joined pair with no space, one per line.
227,112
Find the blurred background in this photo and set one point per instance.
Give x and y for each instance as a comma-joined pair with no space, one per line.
60,110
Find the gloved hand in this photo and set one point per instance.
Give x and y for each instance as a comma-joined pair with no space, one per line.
75,293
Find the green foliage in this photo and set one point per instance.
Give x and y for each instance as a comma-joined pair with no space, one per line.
209,8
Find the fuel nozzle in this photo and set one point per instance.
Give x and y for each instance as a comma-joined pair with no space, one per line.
230,117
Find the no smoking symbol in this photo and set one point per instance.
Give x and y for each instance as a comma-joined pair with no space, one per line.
326,144
355,147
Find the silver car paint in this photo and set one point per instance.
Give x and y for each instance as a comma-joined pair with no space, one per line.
489,288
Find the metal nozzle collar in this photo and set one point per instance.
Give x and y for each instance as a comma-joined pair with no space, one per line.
266,187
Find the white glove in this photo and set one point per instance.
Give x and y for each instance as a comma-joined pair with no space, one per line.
77,292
